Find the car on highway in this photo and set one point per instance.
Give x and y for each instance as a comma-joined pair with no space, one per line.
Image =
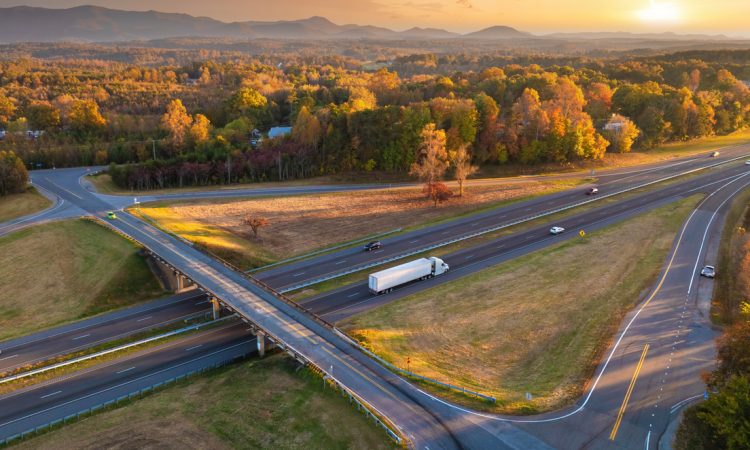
592,191
556,230
374,245
715,154
111,215
747,163
708,271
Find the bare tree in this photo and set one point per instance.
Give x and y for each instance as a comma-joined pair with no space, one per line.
255,223
463,169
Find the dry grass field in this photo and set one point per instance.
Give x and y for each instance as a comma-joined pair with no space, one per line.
500,333
59,272
255,404
18,205
299,224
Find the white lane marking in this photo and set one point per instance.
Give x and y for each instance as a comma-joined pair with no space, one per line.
677,405
193,347
468,257
379,251
50,395
352,295
145,318
648,440
341,262
123,384
298,274
415,240
475,224
500,246
126,370
8,357
81,337
447,232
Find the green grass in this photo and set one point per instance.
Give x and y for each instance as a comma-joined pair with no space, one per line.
14,206
266,403
59,272
536,324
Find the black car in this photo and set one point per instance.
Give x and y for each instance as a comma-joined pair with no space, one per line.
374,245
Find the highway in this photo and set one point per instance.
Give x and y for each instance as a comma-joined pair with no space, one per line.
510,434
70,338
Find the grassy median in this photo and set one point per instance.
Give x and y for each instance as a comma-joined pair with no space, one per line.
303,223
538,324
18,205
63,271
255,404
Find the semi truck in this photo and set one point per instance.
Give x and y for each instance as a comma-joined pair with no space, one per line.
421,269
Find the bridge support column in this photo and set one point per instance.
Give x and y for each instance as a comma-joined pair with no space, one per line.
180,282
260,336
215,308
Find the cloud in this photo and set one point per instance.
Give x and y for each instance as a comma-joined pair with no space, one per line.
465,3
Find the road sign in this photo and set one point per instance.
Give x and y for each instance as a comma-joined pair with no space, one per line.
582,233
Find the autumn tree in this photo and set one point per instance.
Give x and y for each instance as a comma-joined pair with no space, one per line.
462,168
7,108
255,223
621,133
437,191
177,122
200,129
307,129
85,118
13,174
432,159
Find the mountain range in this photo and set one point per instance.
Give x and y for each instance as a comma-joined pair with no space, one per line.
97,24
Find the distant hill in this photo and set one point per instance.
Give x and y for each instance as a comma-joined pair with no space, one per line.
97,24
497,32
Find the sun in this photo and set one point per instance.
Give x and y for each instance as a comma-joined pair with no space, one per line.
660,12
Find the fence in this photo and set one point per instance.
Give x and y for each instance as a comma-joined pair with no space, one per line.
495,228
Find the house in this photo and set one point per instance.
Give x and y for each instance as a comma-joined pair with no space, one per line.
275,132
192,82
34,134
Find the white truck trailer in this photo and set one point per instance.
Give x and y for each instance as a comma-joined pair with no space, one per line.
421,269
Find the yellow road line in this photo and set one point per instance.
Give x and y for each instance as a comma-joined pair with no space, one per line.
625,400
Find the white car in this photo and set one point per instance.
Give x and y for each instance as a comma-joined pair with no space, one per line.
556,230
747,163
708,271
715,154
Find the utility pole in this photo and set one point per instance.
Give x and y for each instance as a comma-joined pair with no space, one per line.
153,147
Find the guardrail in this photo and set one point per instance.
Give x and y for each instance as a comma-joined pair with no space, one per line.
325,250
110,350
124,398
495,228
392,429
412,374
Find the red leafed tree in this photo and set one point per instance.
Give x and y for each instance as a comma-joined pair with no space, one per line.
438,192
255,223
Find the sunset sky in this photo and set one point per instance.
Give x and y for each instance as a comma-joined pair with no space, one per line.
718,16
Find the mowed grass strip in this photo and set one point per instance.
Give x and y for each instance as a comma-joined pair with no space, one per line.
538,324
14,206
63,271
255,404
303,223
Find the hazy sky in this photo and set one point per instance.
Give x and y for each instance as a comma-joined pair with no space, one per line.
717,16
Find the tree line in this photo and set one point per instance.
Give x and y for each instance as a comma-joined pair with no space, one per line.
350,120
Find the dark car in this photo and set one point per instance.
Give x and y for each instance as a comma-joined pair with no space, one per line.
374,245
592,191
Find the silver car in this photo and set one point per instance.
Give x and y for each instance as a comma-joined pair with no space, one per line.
708,271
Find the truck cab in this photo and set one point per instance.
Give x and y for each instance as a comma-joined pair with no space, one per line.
439,267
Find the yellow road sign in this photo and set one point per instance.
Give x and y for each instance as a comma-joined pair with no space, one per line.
582,233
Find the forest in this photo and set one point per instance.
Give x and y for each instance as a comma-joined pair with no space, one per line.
163,124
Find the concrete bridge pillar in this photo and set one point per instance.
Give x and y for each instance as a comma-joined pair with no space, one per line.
260,336
215,308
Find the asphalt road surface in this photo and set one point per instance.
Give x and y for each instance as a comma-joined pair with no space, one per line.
70,338
475,431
